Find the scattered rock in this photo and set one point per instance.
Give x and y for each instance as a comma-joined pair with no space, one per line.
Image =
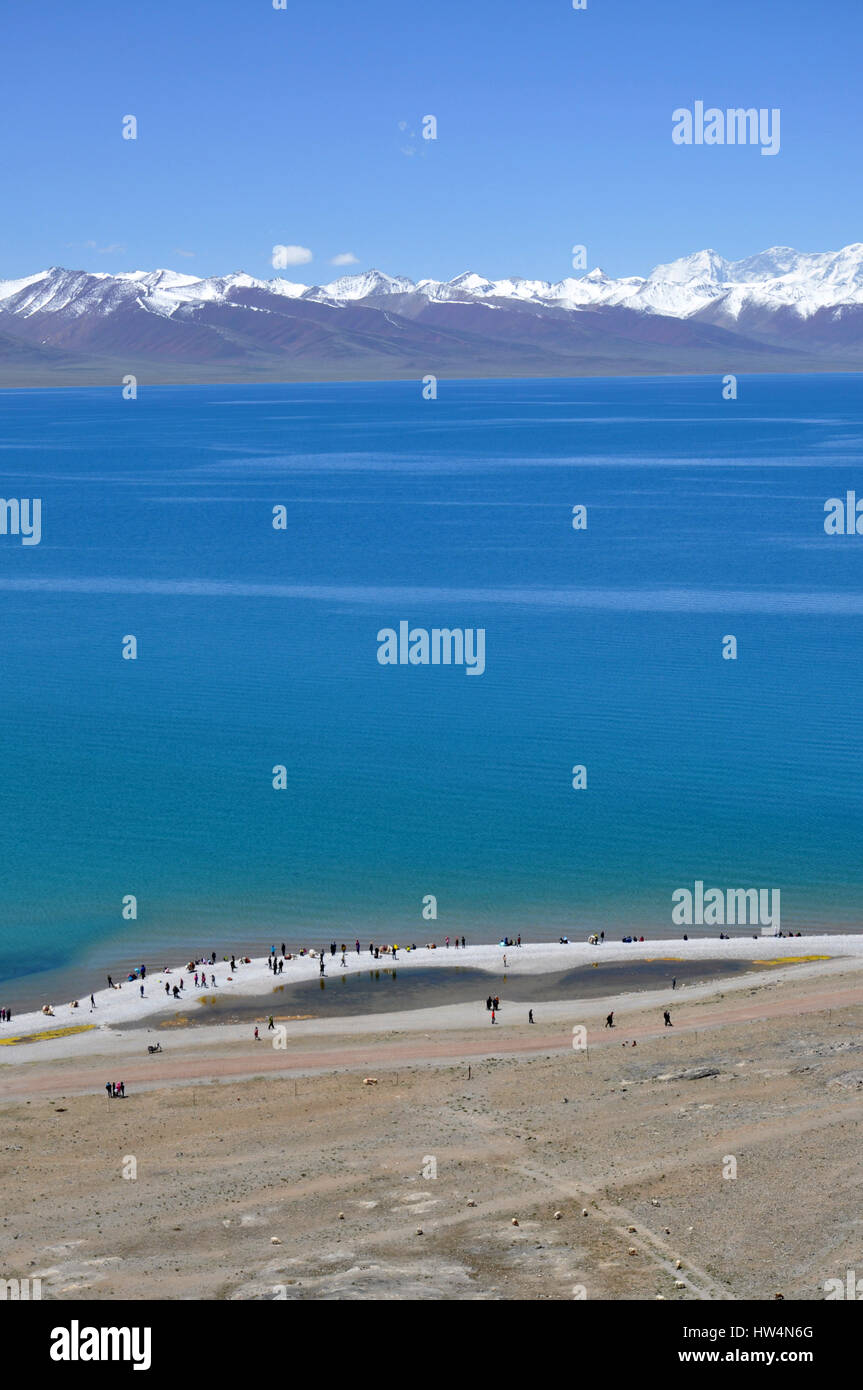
274,1240
515,1221
691,1074
849,1081
558,1215
678,1264
679,1284
632,1250
419,1230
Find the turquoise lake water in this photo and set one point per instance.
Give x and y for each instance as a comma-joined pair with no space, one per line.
258,647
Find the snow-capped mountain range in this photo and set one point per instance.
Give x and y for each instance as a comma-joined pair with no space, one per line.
780,309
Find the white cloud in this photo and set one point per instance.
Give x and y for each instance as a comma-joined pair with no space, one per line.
345,258
178,252
290,255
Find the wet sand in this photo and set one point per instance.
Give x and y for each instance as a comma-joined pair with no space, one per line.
383,988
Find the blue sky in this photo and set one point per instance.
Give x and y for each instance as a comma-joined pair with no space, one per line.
259,127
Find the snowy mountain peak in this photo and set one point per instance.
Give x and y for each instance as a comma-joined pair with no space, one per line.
158,279
368,283
469,280
702,267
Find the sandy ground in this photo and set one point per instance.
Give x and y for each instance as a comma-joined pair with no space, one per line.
275,1173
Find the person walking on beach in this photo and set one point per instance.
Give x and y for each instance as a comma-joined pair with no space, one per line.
530,1015
493,1019
488,1002
109,1088
270,1023
496,1004
674,983
504,962
110,983
92,1002
609,1022
322,965
142,991
344,962
257,1036
122,1089
667,1017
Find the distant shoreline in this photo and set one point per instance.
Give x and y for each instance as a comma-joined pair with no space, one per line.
150,374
